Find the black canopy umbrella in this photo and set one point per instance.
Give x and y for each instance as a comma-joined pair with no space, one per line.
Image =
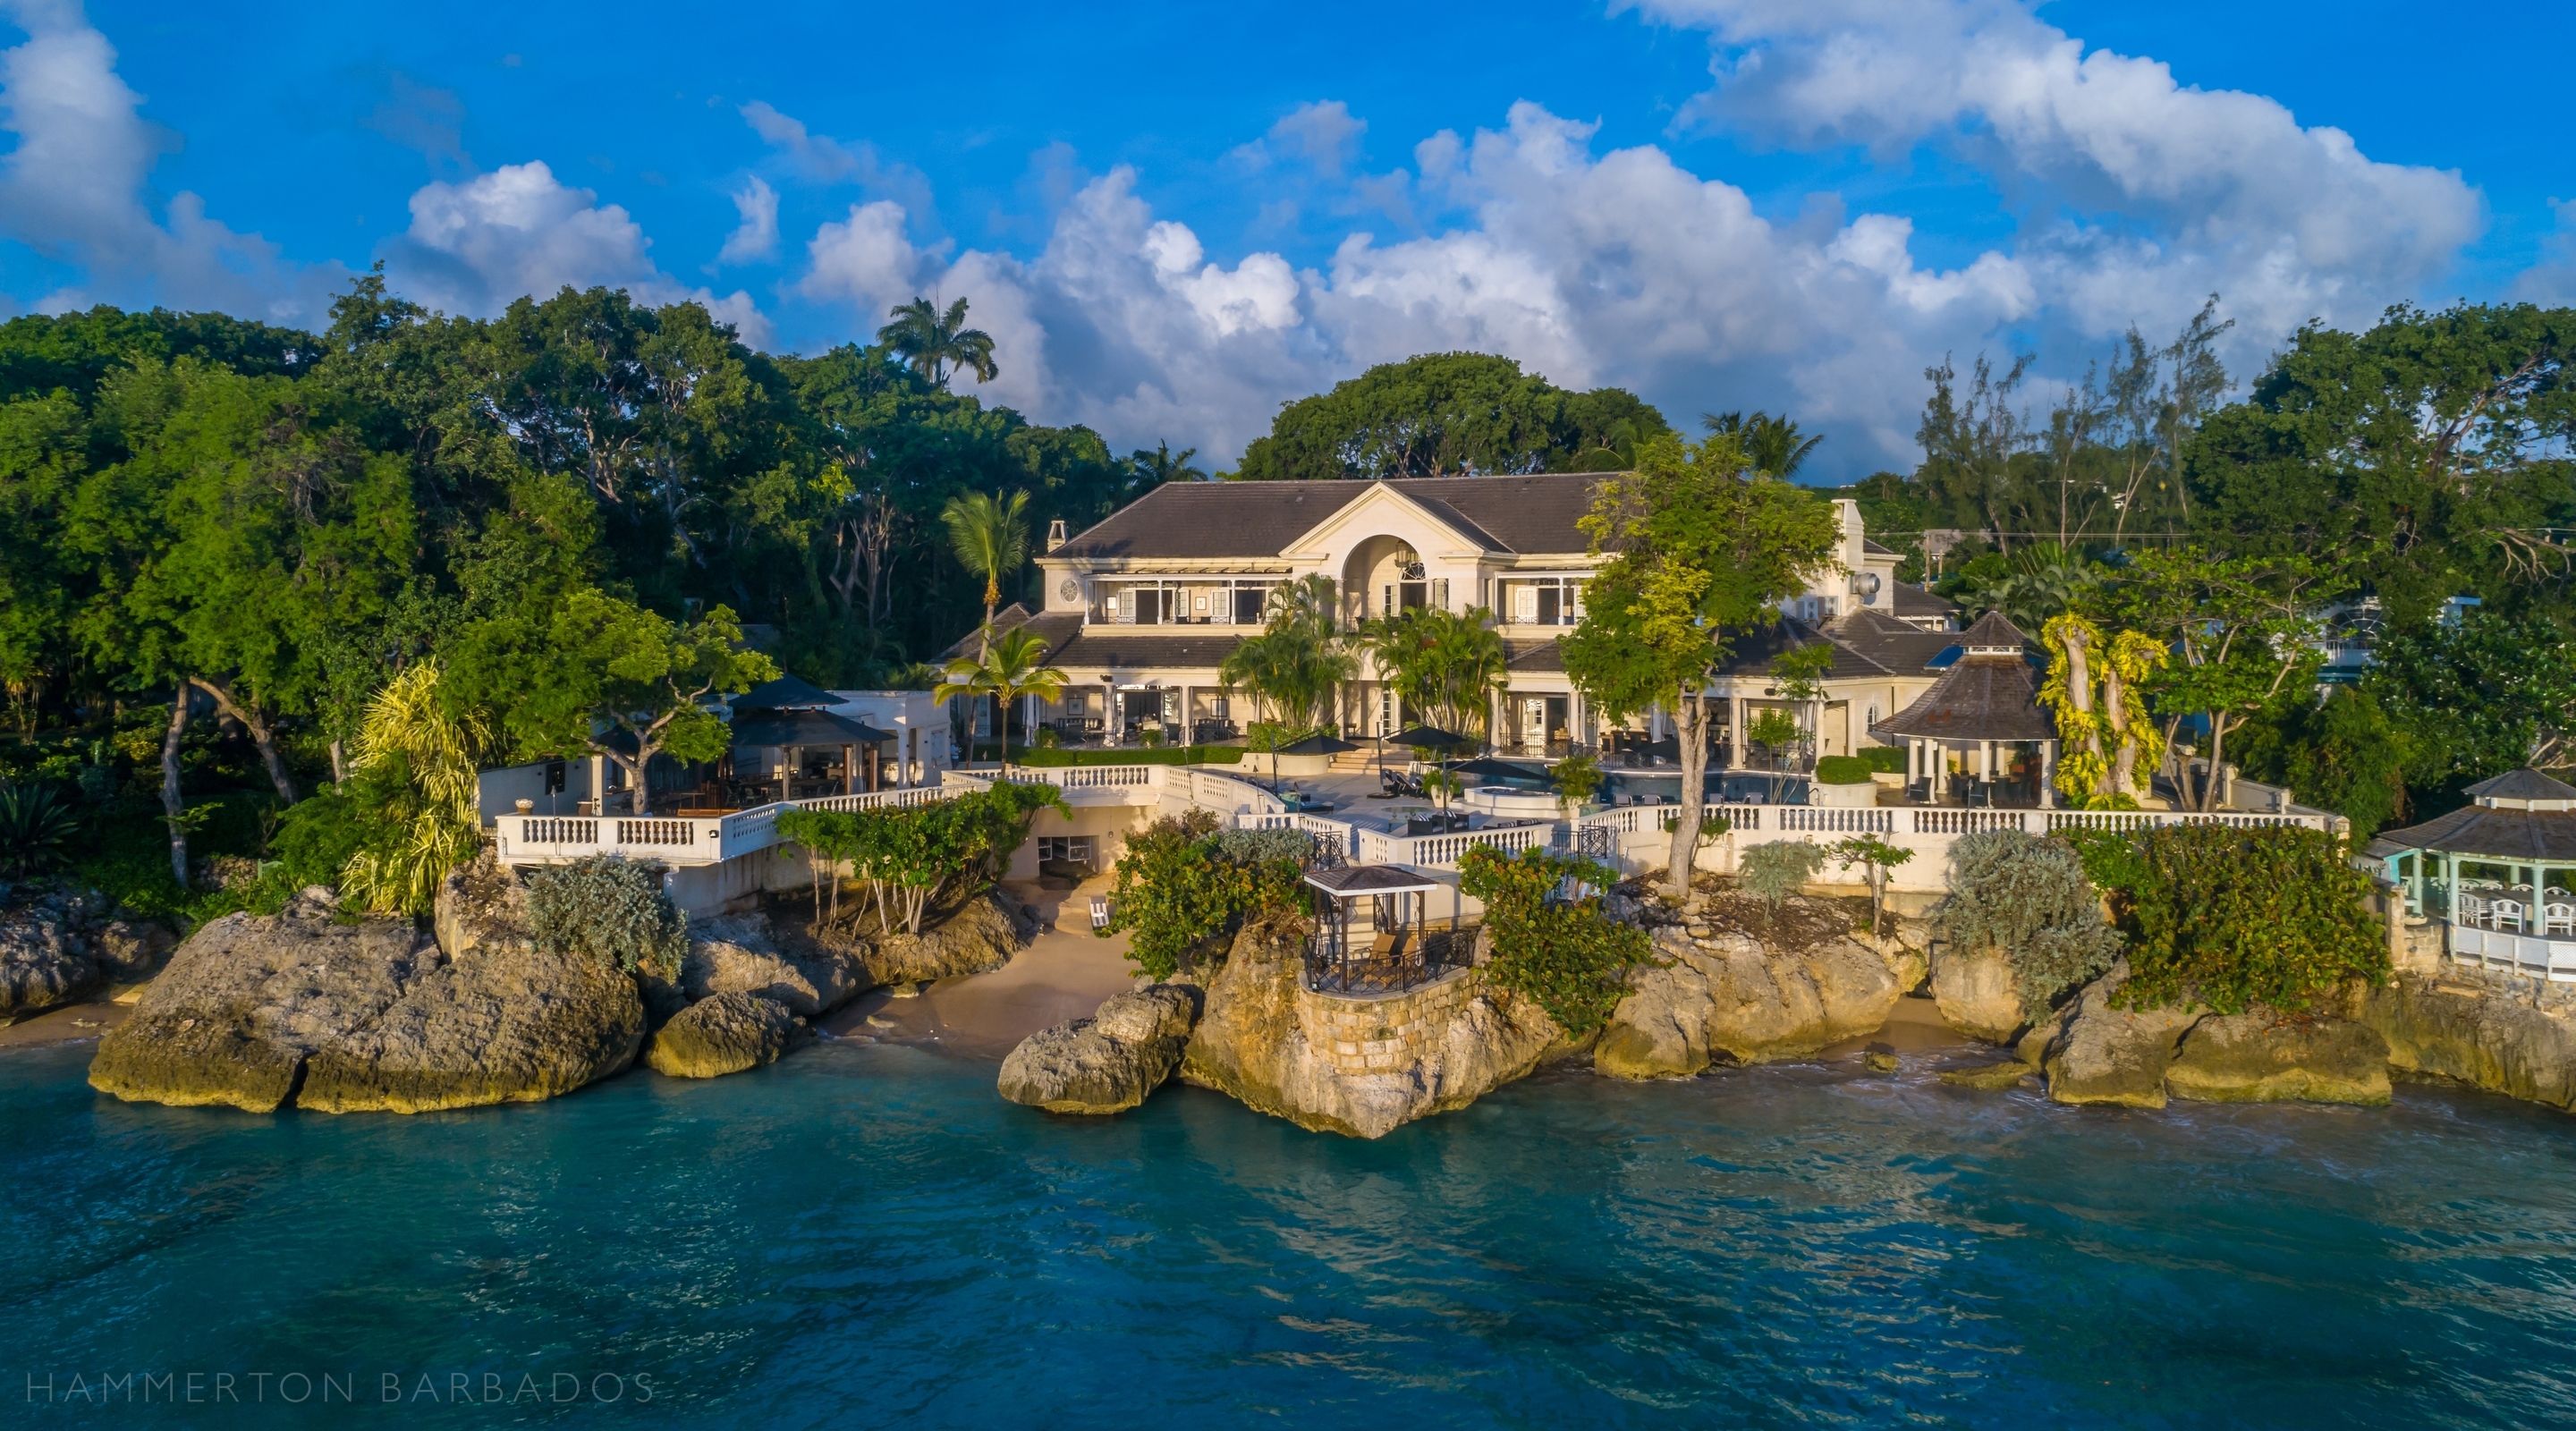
1429,737
1497,770
786,693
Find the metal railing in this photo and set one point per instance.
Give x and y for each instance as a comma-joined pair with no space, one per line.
1422,959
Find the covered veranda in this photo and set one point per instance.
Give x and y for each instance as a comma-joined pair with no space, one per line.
1373,930
2500,873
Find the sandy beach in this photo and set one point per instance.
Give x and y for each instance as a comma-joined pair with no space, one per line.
1063,975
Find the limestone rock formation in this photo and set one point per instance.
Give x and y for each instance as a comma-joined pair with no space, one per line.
741,954
1106,1063
482,905
1727,996
501,1025
1975,991
721,1034
246,1000
2515,1036
1442,1046
44,963
2102,1054
2256,1058
129,952
979,938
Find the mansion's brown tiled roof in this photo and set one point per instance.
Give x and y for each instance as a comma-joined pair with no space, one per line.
1910,600
1217,520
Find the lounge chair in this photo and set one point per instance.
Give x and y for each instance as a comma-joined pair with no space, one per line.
1099,912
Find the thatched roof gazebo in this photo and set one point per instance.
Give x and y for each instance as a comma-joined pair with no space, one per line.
1986,703
2500,871
777,722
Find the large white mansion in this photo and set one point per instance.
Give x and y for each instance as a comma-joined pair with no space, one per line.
1142,609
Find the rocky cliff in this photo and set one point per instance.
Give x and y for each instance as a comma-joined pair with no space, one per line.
1740,984
1278,1049
1106,1063
2099,1053
2515,1036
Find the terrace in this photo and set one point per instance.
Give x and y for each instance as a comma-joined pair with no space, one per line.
2500,874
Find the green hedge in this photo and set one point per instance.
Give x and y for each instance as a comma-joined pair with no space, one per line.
1885,759
1160,755
1842,770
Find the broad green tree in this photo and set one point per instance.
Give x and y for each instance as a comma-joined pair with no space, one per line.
2243,632
1446,415
1698,550
606,677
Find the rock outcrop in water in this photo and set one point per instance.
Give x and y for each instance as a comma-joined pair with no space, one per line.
741,954
1356,1066
246,1000
726,1033
2515,1036
2098,1053
1976,993
1745,985
346,1014
1106,1063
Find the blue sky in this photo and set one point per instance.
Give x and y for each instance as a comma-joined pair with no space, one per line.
1175,219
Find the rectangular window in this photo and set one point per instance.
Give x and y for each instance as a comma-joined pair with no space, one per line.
1524,605
1247,604
1071,849
1149,606
1415,595
1548,597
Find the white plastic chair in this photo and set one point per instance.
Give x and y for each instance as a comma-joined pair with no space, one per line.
2508,915
2560,918
2473,910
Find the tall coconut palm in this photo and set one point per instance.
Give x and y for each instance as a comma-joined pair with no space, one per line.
1153,469
1013,667
990,536
1773,445
931,342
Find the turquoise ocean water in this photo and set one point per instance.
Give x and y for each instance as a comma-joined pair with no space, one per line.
865,1235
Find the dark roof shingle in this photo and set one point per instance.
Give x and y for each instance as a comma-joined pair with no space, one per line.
1217,520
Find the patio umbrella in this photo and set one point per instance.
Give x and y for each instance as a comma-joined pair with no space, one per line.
1497,770
1432,737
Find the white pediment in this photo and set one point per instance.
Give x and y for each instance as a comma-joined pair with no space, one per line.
1380,510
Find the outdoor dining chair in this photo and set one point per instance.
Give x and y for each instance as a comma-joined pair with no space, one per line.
2507,913
2473,910
2559,918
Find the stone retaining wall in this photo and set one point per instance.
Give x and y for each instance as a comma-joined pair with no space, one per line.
1384,1033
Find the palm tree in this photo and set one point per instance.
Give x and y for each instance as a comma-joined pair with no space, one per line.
1298,661
1772,444
1153,469
990,536
931,341
1013,667
1446,666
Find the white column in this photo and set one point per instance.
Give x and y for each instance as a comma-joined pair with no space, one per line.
2048,775
1734,729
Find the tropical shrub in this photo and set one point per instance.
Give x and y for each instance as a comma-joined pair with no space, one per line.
1884,759
609,908
1575,777
36,828
2232,918
1776,870
1552,944
1842,770
417,764
1179,887
1876,856
914,859
2029,898
1261,846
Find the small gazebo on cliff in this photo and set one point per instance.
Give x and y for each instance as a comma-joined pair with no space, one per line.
1985,710
785,733
1373,930
2500,872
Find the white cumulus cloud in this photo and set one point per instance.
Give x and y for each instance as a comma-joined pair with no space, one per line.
476,245
757,236
74,188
